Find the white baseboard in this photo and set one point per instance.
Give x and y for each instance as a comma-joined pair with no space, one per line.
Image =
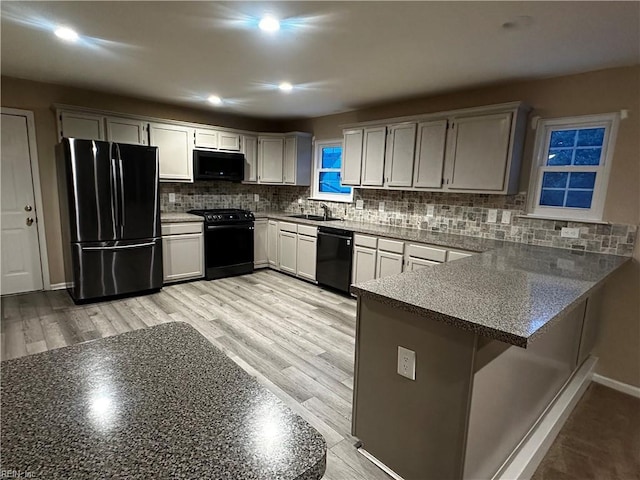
616,385
526,459
59,286
379,464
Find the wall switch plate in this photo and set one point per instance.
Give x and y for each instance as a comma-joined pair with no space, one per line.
256,197
431,211
570,232
381,207
172,198
359,204
492,216
506,217
406,363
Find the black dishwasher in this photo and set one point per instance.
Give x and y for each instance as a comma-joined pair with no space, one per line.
333,261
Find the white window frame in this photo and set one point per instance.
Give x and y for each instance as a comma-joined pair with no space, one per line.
317,168
543,137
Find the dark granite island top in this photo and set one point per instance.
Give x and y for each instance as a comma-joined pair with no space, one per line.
158,403
511,294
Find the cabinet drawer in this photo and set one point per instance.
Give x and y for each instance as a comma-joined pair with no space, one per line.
453,255
427,253
288,227
180,228
390,245
365,241
308,230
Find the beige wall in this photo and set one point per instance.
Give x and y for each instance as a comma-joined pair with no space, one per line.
595,92
38,98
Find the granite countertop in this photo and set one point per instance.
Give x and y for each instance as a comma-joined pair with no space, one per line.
512,294
155,403
462,242
180,217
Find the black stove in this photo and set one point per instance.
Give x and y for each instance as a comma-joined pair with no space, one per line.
228,241
224,216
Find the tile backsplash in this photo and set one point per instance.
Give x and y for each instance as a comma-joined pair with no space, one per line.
462,214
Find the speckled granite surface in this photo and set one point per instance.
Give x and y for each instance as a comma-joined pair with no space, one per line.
511,294
180,217
462,242
157,403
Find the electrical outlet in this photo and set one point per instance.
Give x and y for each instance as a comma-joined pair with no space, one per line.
406,363
492,216
256,197
359,204
570,232
299,201
431,211
172,198
506,217
381,207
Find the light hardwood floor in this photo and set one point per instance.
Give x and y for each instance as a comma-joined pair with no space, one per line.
295,338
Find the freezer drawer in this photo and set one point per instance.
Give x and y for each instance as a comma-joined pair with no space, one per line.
115,268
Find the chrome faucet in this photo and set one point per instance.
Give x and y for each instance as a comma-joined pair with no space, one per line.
327,213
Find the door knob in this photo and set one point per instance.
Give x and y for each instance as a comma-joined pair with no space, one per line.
29,221
28,208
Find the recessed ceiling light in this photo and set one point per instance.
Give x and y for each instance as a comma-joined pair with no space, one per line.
215,100
269,23
66,33
285,87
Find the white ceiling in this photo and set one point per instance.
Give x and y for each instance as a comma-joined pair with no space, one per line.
339,55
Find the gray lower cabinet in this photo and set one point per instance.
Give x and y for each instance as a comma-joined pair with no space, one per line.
307,252
288,247
260,243
364,258
182,251
272,244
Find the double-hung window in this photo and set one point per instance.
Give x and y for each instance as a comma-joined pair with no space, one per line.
326,174
570,172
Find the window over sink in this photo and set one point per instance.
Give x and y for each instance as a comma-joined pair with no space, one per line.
571,164
327,183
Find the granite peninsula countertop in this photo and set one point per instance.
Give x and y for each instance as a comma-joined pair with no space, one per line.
512,294
155,403
180,217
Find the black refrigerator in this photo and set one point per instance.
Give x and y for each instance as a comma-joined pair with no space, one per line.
110,216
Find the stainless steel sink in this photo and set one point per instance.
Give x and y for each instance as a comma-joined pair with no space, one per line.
315,218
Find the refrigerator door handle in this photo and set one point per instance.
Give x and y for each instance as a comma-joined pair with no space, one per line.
122,247
121,192
114,190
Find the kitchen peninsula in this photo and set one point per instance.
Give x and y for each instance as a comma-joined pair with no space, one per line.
496,336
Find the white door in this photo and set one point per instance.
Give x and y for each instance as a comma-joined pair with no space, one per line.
260,254
306,257
430,148
272,244
175,150
206,138
87,126
289,163
288,251
414,263
388,264
364,264
21,265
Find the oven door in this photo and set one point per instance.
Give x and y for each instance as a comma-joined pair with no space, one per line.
228,250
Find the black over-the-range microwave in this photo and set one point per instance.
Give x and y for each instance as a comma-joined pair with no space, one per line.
212,165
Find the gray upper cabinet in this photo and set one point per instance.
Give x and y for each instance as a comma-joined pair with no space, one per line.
175,151
475,150
373,156
297,159
250,150
352,156
87,126
478,152
270,159
125,130
430,151
401,146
